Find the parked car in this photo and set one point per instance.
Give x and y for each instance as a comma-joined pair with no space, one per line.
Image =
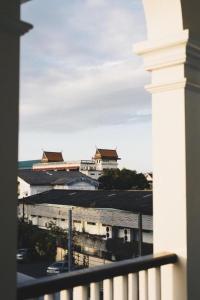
24,255
57,267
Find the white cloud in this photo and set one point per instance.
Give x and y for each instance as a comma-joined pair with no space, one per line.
111,93
78,71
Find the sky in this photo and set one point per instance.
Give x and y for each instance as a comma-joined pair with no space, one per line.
82,86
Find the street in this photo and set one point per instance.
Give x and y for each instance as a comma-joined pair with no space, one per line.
33,269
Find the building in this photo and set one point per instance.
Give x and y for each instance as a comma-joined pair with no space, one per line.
97,216
49,157
171,54
27,164
106,159
32,182
103,159
149,178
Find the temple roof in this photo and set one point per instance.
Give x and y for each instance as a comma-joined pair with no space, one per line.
106,154
52,156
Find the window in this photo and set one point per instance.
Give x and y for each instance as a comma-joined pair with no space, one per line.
91,223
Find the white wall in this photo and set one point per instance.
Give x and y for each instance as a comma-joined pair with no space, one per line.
93,174
36,189
77,186
24,189
106,164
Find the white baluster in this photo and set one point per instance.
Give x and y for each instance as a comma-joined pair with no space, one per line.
168,282
94,291
49,297
80,293
133,285
65,295
143,285
108,289
120,290
154,284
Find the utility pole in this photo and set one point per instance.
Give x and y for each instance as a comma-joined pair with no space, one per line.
23,209
69,239
140,234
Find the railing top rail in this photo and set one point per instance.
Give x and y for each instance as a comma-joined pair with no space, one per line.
55,283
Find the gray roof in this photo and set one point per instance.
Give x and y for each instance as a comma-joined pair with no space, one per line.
135,201
54,177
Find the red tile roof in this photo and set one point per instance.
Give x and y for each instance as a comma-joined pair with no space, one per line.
52,156
106,153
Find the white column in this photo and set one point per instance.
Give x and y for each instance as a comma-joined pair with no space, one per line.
65,295
108,289
120,288
80,293
154,284
133,286
49,297
174,62
143,285
95,291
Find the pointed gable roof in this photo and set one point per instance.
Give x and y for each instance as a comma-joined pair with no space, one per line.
52,156
106,154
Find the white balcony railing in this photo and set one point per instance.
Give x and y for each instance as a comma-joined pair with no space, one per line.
132,279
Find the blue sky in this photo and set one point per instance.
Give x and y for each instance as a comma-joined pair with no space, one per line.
81,84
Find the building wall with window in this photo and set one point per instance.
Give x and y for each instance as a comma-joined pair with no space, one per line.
105,223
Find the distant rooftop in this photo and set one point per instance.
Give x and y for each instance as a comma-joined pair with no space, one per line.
52,156
54,177
106,154
27,164
135,201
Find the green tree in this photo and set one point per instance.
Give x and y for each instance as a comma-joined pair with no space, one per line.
42,241
123,179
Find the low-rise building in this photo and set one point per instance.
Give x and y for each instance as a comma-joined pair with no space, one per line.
149,178
32,182
98,216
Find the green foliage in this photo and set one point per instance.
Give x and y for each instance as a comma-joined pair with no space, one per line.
42,241
123,180
59,234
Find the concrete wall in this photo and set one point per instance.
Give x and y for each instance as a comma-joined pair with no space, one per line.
108,217
86,220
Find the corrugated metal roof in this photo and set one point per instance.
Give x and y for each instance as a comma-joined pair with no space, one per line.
54,177
135,201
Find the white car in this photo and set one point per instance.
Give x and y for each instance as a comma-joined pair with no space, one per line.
57,267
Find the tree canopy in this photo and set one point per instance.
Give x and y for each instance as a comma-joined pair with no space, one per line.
123,179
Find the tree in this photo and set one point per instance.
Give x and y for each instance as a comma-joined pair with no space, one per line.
43,242
123,179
